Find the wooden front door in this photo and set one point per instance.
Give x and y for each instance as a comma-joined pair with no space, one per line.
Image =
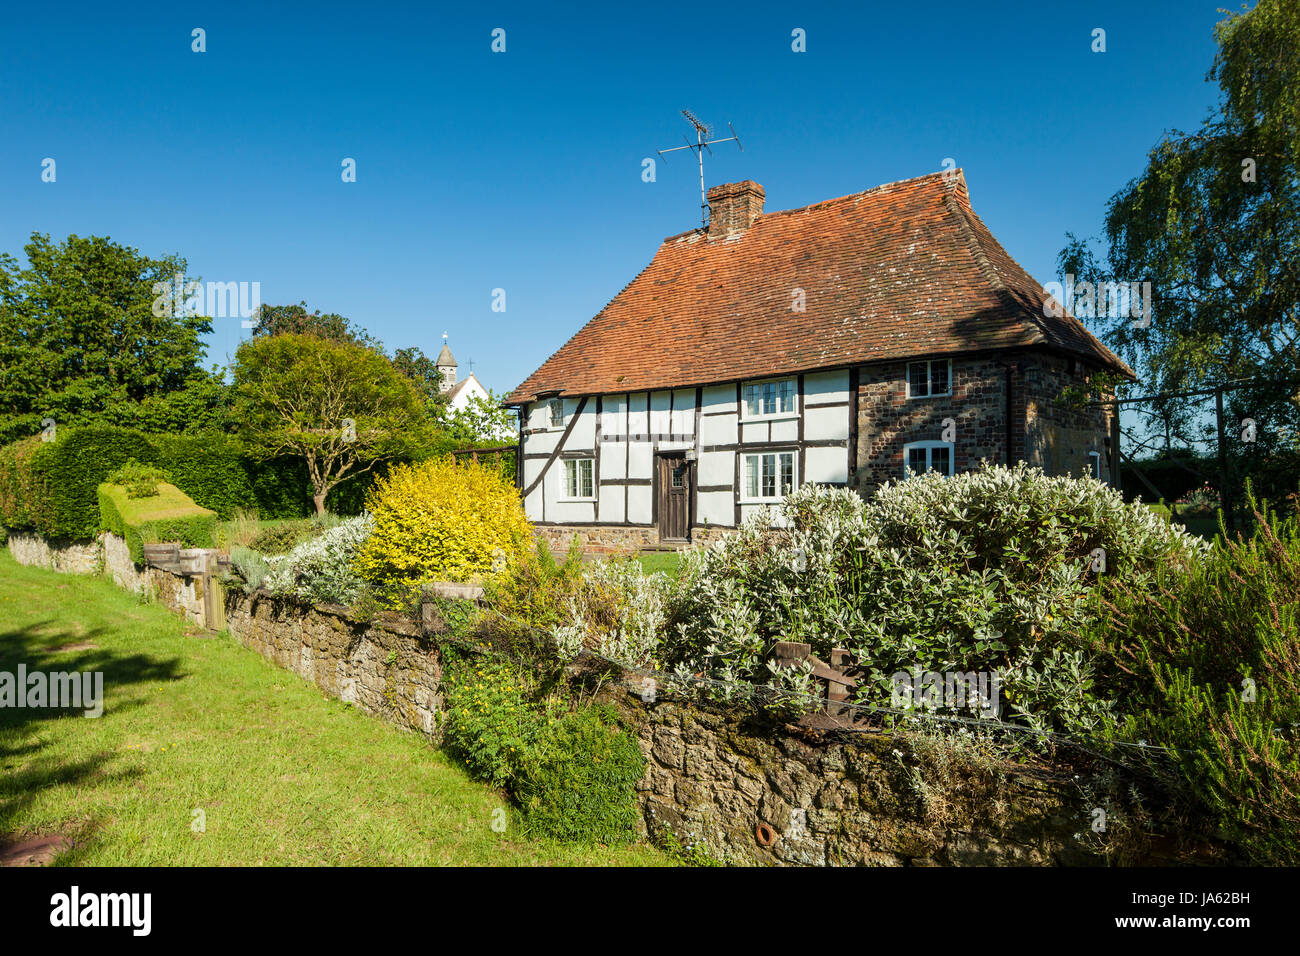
674,497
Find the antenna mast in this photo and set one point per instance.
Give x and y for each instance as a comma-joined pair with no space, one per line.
702,142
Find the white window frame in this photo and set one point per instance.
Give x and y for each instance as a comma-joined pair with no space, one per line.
744,474
551,423
929,447
929,379
746,416
1094,465
577,480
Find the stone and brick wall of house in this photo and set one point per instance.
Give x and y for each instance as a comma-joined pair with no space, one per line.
603,540
888,419
1044,432
1058,435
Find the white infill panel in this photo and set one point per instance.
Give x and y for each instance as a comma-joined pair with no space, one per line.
717,468
683,419
611,503
613,460
720,398
613,416
821,388
786,429
716,508
659,412
821,424
638,504
638,417
583,435
718,430
826,465
640,460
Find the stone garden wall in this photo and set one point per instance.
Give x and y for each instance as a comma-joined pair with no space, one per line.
744,793
771,799
69,557
385,667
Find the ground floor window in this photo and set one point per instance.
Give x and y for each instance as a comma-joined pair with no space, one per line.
579,478
1094,464
922,456
769,476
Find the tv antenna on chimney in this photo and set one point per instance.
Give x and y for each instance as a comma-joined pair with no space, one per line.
702,142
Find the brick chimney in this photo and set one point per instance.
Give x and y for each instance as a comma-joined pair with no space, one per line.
733,207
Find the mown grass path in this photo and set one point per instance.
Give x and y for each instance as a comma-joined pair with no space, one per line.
282,775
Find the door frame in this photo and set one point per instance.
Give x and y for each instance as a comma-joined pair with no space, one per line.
659,458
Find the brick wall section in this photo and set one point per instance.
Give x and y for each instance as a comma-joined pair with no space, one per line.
888,419
1043,431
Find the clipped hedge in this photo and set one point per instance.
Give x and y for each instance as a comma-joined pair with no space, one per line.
211,468
51,487
208,467
170,515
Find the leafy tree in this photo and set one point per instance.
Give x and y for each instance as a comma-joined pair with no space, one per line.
482,421
296,320
80,343
1214,223
339,406
420,369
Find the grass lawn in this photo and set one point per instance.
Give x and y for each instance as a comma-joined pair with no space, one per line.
283,775
666,561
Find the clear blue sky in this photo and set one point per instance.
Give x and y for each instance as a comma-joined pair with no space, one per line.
522,170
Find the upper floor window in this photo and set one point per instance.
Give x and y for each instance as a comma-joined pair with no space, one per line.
929,379
922,456
770,399
555,411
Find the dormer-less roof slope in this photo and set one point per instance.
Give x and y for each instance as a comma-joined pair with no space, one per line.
903,270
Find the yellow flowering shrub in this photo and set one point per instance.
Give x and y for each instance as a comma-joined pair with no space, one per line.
438,520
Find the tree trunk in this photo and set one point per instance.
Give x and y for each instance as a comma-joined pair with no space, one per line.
319,500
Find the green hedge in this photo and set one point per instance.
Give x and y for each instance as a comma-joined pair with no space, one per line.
19,486
169,515
50,487
211,468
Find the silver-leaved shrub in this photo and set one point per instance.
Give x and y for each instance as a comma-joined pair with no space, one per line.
991,570
322,570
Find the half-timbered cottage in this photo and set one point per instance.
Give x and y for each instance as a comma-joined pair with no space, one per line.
848,343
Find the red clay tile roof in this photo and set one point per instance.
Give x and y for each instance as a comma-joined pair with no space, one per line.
906,269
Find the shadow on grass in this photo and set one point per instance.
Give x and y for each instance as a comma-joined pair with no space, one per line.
36,646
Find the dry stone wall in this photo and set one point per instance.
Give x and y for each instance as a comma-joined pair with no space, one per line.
68,557
744,793
385,667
